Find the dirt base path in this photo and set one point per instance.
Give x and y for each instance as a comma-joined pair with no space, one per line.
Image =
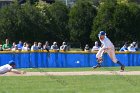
74,73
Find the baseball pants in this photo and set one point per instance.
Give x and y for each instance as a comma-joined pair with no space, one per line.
110,52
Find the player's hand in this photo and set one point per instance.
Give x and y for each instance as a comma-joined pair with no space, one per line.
22,72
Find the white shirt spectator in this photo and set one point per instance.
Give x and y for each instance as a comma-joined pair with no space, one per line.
5,68
135,44
40,46
25,47
63,47
86,47
54,46
46,46
34,47
96,47
14,47
131,48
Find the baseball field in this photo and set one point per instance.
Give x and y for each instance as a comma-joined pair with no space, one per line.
72,80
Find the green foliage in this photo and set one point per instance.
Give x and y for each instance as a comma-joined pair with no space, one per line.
80,21
28,22
59,14
104,18
11,20
56,15
20,22
119,20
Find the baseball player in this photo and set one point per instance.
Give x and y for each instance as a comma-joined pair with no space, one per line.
107,46
10,68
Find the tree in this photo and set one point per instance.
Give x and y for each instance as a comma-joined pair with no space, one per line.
125,20
22,23
104,19
59,15
9,21
80,21
119,19
56,16
33,23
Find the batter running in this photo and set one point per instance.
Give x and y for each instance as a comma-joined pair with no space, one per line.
107,46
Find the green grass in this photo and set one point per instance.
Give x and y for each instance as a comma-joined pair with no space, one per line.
79,69
70,84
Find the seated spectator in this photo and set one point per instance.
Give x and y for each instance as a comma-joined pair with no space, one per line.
14,47
131,48
39,45
34,47
63,47
20,45
135,44
124,48
86,47
54,46
46,46
68,47
1,48
25,47
6,46
96,47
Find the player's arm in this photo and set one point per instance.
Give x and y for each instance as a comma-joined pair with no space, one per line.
17,71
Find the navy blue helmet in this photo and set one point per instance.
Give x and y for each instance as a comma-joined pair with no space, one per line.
101,33
11,62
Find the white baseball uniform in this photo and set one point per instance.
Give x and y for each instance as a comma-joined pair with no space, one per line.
5,68
107,47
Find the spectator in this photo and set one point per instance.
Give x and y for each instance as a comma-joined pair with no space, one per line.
39,45
14,47
20,45
124,48
6,46
64,47
68,47
131,48
96,47
25,47
135,44
86,47
1,48
54,46
34,47
46,46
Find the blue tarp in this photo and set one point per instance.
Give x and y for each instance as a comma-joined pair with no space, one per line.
60,59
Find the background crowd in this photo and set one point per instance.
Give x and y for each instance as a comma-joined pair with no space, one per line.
26,46
132,47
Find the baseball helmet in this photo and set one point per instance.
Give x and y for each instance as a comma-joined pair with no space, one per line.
11,62
101,33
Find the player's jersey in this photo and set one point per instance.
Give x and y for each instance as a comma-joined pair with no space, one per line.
107,43
5,68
